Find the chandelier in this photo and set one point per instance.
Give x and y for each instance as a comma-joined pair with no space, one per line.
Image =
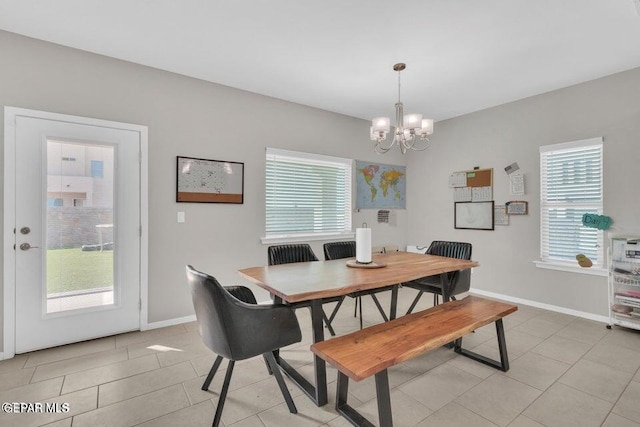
411,130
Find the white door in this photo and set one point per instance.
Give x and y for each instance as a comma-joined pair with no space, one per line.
77,231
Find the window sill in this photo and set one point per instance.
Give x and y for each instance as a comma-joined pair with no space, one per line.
306,237
571,268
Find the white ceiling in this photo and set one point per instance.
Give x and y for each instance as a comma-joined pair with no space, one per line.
337,55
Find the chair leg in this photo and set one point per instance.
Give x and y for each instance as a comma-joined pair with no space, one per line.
380,309
266,362
415,302
335,310
283,387
355,308
223,394
327,323
360,301
212,372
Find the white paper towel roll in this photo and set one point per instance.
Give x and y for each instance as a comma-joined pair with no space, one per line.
363,245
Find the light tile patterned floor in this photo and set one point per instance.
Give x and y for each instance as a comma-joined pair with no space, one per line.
565,371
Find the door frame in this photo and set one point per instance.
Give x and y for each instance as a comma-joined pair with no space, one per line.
9,254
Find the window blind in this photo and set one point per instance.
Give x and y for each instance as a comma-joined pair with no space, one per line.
570,186
307,194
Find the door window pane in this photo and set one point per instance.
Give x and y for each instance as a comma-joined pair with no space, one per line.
79,234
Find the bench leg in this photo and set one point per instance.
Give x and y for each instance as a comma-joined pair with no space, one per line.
503,364
353,416
384,399
502,345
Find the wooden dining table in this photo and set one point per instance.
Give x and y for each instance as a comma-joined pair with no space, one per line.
311,284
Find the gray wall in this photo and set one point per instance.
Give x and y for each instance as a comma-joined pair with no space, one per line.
496,137
194,118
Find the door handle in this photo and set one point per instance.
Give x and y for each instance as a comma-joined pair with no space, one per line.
26,247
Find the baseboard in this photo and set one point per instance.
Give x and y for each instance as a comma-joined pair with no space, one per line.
584,315
1,356
536,304
169,322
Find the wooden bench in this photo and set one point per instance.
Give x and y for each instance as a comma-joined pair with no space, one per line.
371,351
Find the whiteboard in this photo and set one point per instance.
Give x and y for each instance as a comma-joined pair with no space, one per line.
474,215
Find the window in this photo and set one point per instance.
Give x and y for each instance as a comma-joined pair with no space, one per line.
307,196
97,167
570,186
55,202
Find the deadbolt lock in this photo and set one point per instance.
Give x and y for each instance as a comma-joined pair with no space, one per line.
25,230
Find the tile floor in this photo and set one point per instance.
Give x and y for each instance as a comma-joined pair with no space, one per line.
565,371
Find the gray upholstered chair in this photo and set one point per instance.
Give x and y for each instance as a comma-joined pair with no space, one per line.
234,327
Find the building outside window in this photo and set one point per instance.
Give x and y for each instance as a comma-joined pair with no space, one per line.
97,167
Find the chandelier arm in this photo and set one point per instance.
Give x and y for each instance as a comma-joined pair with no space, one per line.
415,140
381,149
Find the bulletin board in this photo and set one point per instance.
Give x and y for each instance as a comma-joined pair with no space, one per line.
472,185
480,178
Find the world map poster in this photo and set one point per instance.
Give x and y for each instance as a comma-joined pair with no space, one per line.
380,186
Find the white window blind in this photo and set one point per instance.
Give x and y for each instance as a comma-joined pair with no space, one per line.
570,186
307,194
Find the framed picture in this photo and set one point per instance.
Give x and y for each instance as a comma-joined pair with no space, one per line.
209,181
474,215
517,207
500,216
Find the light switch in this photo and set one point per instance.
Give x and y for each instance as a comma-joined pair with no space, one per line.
181,217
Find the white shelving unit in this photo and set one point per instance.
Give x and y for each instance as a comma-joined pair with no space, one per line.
624,281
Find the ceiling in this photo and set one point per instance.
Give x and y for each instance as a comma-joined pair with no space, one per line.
461,55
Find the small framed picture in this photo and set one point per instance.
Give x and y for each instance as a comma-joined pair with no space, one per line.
500,216
209,181
517,207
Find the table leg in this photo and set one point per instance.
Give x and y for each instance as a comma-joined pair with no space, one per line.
446,287
318,392
276,353
320,366
394,302
446,296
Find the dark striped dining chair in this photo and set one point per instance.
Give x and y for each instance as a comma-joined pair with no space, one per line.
460,280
